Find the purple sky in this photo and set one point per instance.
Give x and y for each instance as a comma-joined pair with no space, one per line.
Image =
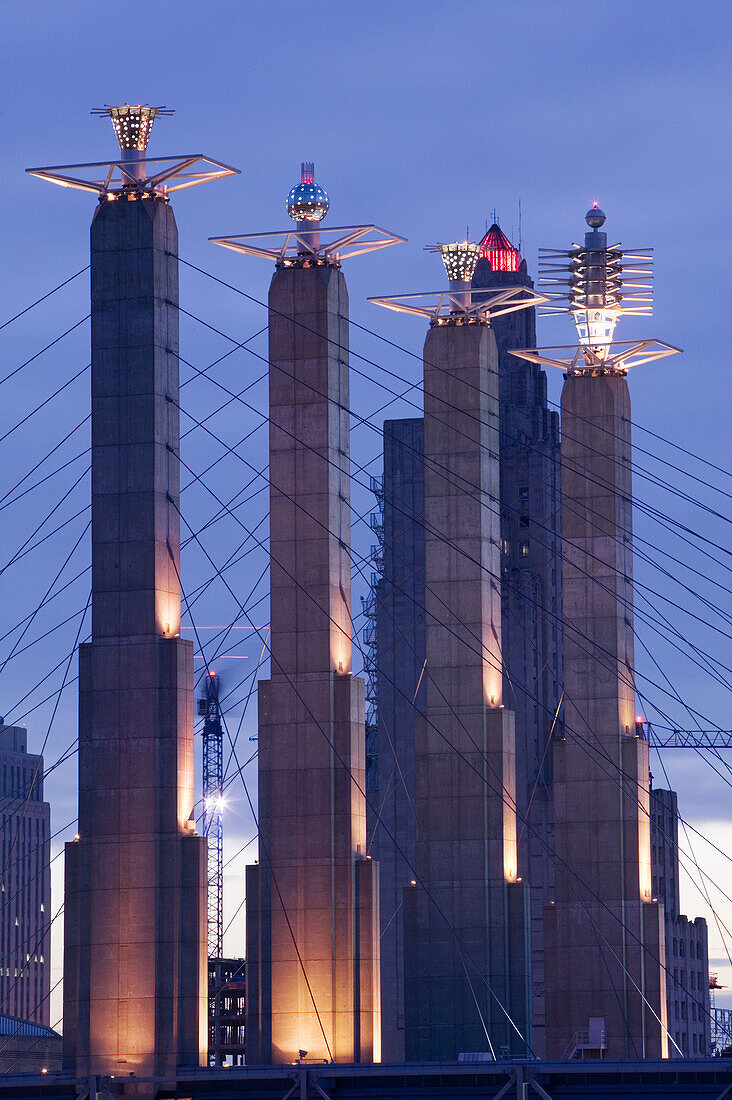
420,118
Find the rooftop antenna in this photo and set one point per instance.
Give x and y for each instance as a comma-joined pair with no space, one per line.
520,230
495,217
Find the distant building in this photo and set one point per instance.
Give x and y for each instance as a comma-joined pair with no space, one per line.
25,912
531,633
227,1012
687,954
27,1047
531,584
400,658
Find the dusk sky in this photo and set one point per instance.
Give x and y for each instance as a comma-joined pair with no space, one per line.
421,118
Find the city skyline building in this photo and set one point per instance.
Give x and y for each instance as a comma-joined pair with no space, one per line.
398,598
687,949
466,923
531,585
530,628
604,930
135,965
25,910
312,900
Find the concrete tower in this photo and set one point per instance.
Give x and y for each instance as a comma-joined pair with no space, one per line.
466,953
604,934
312,900
135,894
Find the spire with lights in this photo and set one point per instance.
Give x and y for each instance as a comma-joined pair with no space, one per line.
596,284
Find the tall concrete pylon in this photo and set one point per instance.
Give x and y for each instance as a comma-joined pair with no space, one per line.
604,932
135,966
312,899
466,917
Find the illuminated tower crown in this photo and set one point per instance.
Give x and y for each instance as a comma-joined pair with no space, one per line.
596,285
307,202
132,124
498,250
135,175
459,259
457,305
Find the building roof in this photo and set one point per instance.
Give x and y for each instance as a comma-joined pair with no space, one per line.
498,250
10,1025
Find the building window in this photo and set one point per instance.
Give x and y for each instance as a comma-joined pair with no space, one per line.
523,492
524,549
676,1011
682,950
676,950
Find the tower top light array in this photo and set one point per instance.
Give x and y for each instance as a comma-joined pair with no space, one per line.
596,284
135,175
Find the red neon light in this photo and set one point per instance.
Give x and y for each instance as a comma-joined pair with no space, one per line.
497,248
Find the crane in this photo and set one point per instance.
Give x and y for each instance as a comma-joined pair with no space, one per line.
213,805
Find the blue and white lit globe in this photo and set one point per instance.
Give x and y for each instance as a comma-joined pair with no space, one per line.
307,202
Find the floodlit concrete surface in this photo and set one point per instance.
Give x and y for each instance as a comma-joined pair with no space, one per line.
466,920
312,900
135,946
605,943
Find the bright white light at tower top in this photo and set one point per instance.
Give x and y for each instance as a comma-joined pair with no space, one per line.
307,202
595,327
132,124
596,284
459,258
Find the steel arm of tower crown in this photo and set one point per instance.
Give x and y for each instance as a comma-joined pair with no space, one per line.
335,243
174,174
446,303
622,355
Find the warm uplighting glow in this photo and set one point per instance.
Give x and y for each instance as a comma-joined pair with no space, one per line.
168,613
492,684
459,259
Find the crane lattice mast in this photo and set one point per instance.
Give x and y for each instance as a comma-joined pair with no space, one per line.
213,818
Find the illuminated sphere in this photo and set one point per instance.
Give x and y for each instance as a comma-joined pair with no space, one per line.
307,202
595,217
